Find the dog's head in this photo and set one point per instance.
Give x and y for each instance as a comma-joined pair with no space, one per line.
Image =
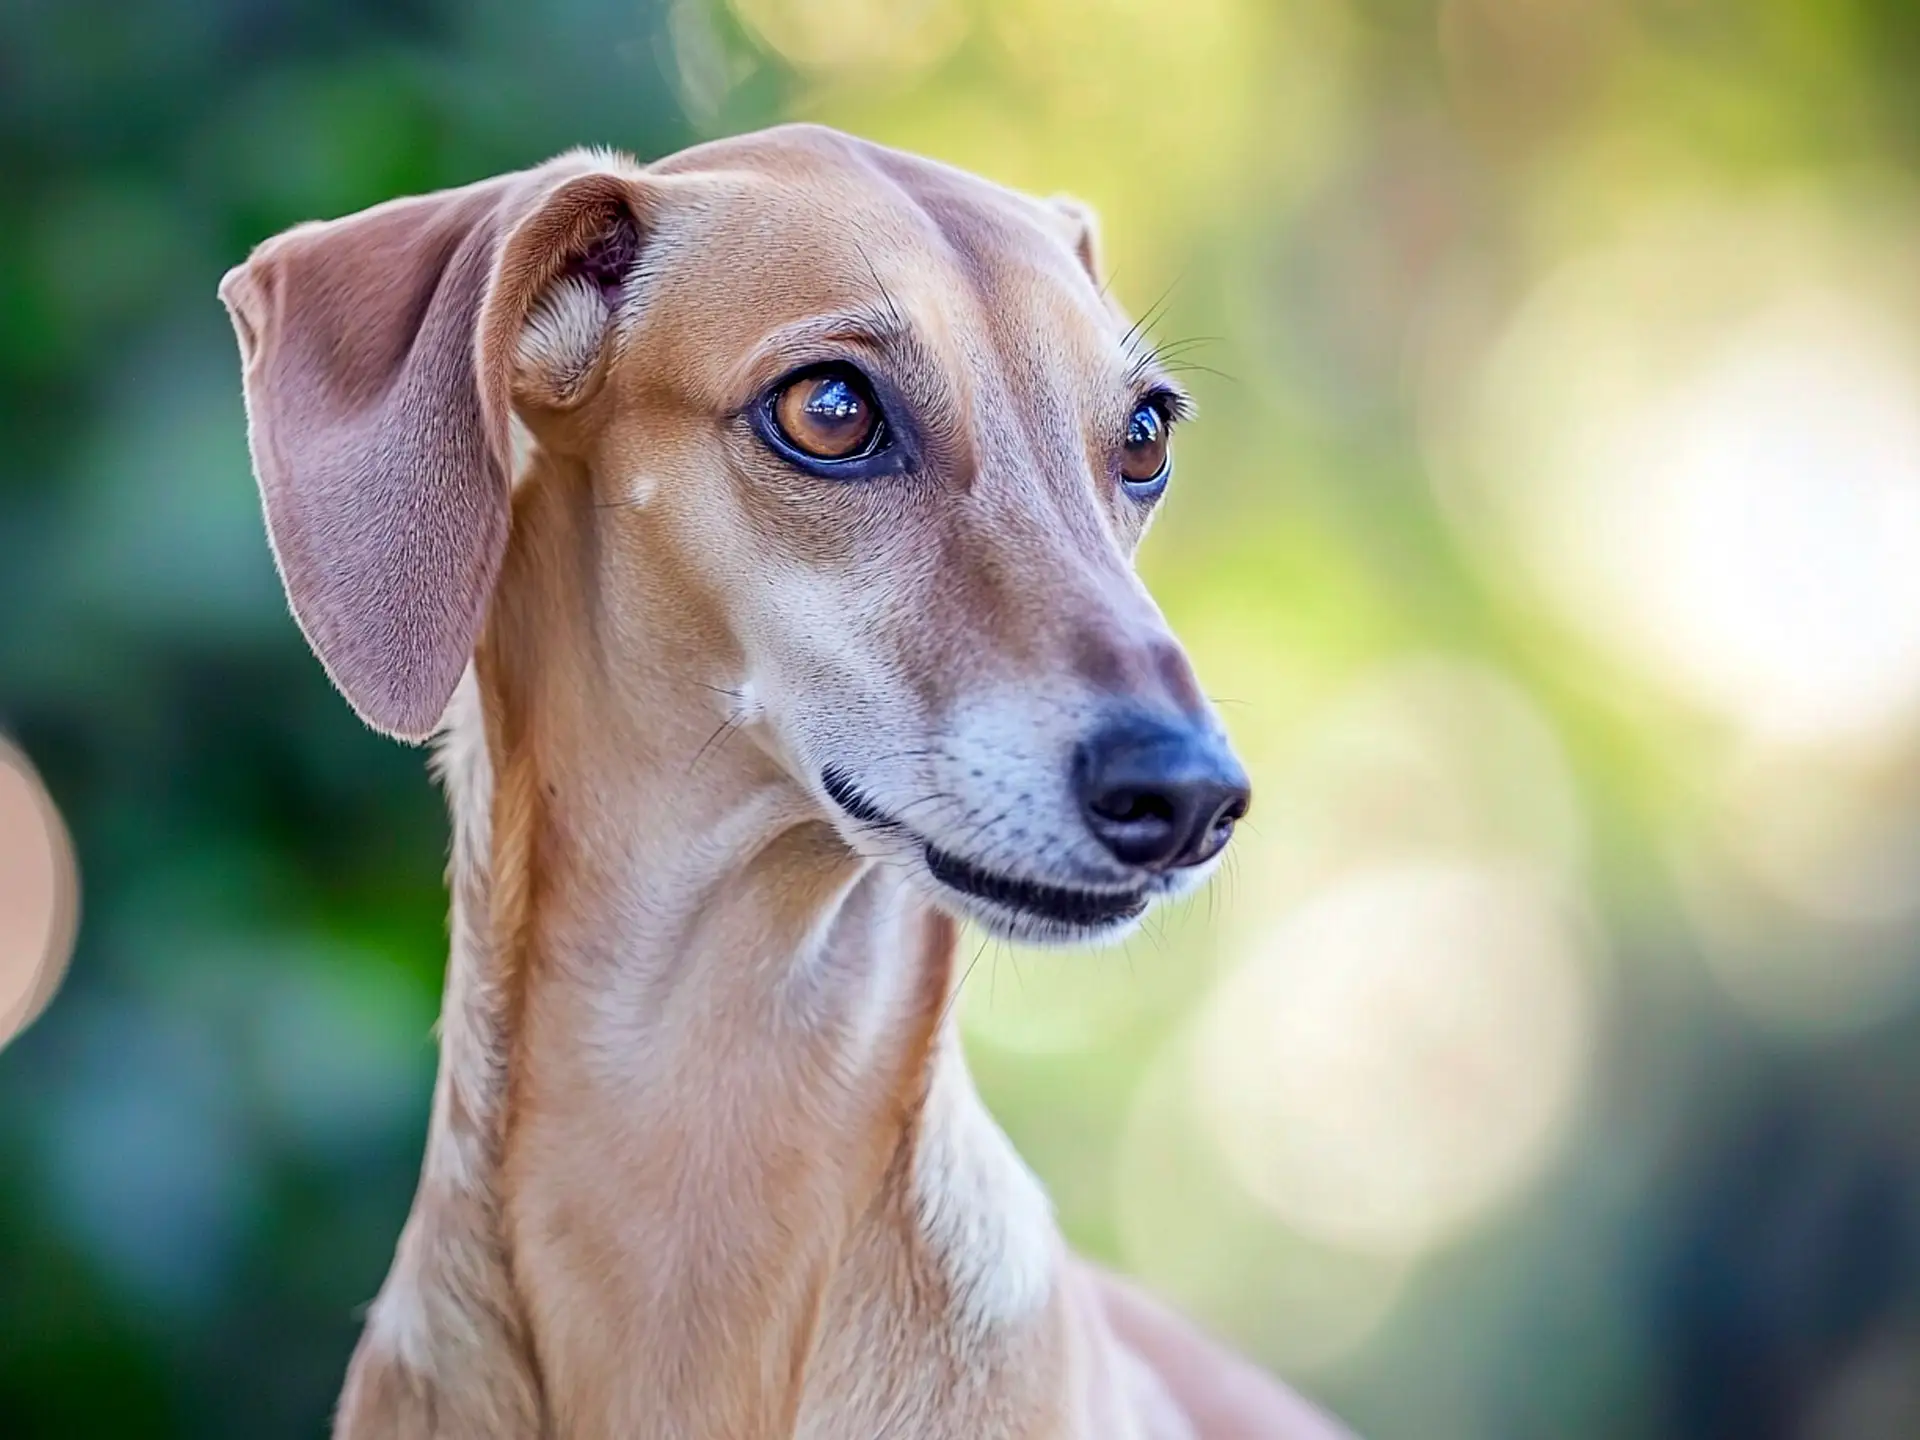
876,418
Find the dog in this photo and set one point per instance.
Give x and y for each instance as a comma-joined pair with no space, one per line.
753,529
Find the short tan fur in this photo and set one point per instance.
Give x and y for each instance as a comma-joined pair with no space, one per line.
734,737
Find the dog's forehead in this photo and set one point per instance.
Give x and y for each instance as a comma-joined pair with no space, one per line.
802,219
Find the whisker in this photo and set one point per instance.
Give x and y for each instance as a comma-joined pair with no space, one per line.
1187,342
982,829
929,800
1146,321
1155,934
722,733
953,996
1192,369
1161,353
922,753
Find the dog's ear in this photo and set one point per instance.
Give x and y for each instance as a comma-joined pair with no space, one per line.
1083,233
382,354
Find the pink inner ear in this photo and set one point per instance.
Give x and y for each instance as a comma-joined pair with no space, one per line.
609,260
379,359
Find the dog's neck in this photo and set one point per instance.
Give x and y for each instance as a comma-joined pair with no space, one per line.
703,1143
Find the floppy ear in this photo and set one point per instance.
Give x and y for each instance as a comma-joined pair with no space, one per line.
379,354
1083,233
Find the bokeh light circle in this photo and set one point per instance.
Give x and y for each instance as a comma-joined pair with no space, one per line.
1193,1234
1703,444
1402,1054
1430,755
1802,880
39,894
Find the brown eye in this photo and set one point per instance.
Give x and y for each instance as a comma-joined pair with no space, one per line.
1143,460
829,415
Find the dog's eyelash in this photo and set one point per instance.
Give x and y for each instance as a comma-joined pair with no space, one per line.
1172,404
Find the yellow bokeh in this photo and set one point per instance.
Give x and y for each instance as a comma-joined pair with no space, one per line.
857,37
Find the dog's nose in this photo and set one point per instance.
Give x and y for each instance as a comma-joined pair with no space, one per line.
1160,796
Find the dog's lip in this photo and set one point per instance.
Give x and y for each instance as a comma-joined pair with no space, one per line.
1064,905
1071,906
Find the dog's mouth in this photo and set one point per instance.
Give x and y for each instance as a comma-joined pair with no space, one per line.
1037,906
1058,904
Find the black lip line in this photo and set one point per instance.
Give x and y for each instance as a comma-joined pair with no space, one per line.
844,793
1050,902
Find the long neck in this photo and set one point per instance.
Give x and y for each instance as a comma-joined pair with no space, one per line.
703,1136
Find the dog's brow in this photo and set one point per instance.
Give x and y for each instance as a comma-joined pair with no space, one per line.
874,329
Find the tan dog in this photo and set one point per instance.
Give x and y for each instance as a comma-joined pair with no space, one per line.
755,528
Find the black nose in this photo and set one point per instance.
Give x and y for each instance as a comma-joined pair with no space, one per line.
1160,796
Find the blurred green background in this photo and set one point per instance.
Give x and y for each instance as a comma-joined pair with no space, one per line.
1548,1065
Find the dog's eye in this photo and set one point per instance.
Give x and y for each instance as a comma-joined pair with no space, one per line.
828,415
1145,458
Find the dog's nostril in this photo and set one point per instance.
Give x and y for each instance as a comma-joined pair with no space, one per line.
1220,829
1159,796
1131,807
